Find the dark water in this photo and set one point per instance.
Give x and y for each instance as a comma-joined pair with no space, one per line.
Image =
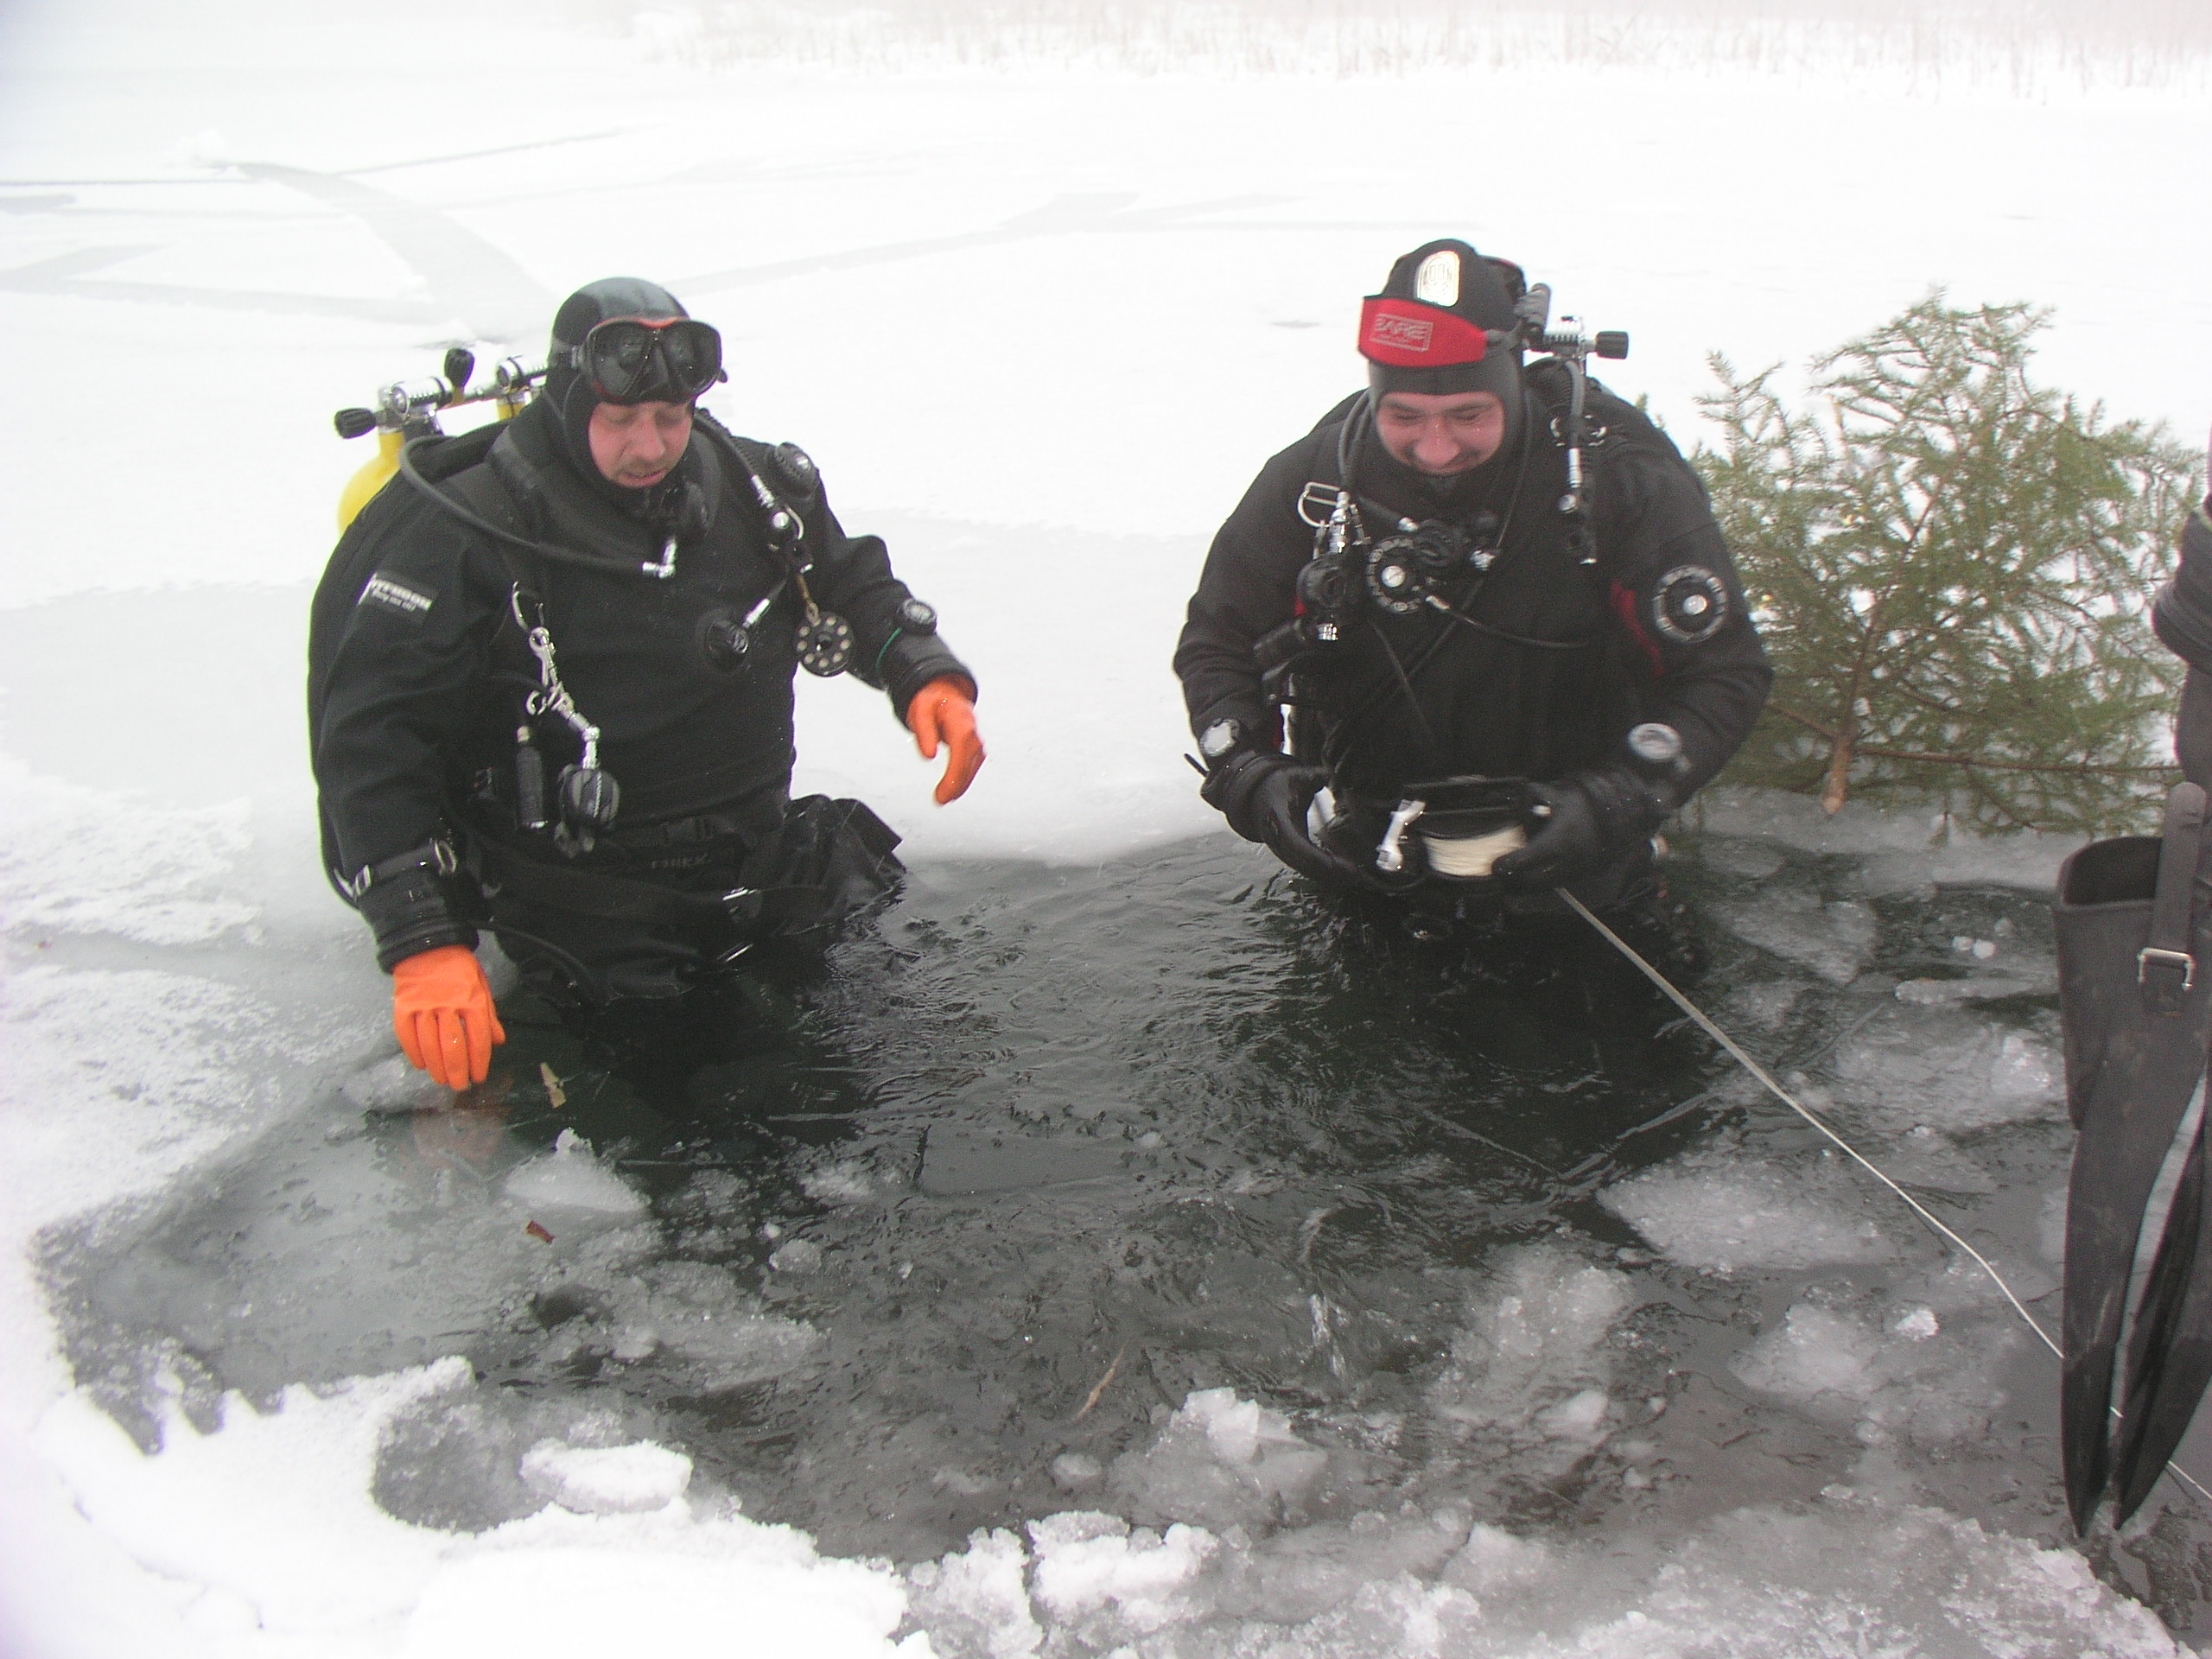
1040,1152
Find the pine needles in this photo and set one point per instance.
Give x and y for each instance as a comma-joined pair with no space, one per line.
1952,569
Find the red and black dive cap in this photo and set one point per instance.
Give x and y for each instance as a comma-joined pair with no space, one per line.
1444,322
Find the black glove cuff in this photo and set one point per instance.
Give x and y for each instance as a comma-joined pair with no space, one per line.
907,662
408,906
1230,783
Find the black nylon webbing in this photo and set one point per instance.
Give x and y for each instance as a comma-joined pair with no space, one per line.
2165,968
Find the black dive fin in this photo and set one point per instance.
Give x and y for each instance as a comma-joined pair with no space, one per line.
2169,1354
2137,1016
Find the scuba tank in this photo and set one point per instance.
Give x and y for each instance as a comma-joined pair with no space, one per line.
407,409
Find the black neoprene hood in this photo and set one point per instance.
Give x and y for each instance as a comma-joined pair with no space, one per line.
567,390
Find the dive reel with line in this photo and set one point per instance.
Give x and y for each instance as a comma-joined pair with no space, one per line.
585,797
1465,825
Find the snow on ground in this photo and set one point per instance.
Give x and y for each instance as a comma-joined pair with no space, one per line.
1040,325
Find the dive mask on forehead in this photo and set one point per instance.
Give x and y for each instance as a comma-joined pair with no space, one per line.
667,360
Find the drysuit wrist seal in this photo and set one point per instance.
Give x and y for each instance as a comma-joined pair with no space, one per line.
407,903
908,662
1232,781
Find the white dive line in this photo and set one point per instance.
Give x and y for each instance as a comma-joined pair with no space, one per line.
1782,1095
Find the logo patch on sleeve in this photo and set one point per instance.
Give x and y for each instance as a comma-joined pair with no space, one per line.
395,595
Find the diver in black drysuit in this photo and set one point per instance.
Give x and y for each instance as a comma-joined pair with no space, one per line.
2182,619
1538,657
2133,919
420,666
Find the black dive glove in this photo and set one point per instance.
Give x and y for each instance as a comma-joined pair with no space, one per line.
1265,797
1587,820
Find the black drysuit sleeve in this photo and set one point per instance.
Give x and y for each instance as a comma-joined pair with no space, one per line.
852,577
408,606
401,682
1676,599
1248,589
2182,613
2182,616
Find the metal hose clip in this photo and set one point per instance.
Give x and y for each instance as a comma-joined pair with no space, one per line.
1390,853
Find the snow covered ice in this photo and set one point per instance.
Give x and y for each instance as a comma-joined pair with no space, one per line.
1104,1260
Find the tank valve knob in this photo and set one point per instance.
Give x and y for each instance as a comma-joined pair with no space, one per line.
354,422
460,364
1611,342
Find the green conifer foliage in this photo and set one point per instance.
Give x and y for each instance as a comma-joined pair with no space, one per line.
1952,569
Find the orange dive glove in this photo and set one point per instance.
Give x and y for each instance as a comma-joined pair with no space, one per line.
442,1014
945,708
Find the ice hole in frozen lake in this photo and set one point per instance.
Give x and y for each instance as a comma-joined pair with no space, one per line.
1160,1190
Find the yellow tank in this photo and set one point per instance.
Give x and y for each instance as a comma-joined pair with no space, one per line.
363,486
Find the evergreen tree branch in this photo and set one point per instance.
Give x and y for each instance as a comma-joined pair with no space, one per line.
1918,757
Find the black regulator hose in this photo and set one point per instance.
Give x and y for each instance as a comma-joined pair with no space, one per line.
546,550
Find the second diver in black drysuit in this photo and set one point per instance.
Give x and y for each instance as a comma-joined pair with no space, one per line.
1416,602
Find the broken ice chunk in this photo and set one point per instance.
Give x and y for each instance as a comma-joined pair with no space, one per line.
1935,993
1575,1418
1218,1461
1831,940
1946,1068
1841,1367
977,1601
1076,1470
796,1255
1494,1560
606,1480
1709,1210
570,1178
1116,1580
1917,1323
1539,1344
391,1086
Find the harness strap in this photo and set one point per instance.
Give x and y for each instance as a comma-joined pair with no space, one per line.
502,492
618,897
2164,967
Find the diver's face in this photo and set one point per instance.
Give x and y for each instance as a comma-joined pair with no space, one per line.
1441,433
636,445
